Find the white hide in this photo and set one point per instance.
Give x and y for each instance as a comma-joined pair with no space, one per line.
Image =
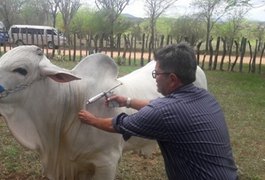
42,114
40,101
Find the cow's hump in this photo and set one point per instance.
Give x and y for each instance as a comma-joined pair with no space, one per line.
98,66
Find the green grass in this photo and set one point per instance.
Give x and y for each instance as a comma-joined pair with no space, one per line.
242,97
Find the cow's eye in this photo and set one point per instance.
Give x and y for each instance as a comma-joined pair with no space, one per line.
21,71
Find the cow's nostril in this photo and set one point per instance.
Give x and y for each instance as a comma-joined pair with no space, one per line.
2,89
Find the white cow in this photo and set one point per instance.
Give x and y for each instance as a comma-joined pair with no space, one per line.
40,101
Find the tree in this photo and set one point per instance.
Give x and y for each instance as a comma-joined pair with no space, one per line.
53,8
231,29
154,9
111,10
164,25
82,22
9,9
33,12
259,33
210,11
187,28
213,10
68,9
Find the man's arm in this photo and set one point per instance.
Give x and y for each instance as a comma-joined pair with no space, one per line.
100,123
137,103
128,102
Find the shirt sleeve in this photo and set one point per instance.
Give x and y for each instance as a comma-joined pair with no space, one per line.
146,123
116,125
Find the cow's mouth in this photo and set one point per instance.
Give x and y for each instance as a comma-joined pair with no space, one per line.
3,94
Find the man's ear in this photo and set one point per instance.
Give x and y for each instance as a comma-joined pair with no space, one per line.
173,77
175,80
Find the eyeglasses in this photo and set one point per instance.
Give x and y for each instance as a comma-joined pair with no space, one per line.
155,74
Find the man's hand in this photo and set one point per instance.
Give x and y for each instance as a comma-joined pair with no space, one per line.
100,123
121,100
86,117
128,102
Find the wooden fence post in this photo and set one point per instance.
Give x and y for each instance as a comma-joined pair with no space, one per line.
134,51
101,40
261,56
242,54
250,60
142,51
211,54
74,55
230,54
146,41
237,55
198,52
216,53
150,48
53,47
59,44
131,48
126,45
253,65
96,42
162,41
223,54
81,49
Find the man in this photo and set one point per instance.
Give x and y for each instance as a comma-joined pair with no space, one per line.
187,122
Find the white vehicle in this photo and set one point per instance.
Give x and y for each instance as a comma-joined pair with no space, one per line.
37,35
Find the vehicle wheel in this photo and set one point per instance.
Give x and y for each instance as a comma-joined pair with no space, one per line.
50,45
19,43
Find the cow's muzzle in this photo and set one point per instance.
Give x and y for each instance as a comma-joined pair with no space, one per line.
3,92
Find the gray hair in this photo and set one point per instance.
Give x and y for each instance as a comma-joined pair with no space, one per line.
179,59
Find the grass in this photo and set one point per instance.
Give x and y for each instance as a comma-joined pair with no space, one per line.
242,97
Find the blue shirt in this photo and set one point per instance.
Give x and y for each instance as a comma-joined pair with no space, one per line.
191,132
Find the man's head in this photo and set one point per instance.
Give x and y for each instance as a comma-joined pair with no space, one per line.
175,66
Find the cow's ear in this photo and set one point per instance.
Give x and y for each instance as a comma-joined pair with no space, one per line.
63,77
56,73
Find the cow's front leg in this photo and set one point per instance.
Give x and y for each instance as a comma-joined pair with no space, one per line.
106,172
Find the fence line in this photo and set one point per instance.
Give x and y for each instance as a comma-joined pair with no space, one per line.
223,55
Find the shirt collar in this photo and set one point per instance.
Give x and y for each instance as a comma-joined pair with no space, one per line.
186,87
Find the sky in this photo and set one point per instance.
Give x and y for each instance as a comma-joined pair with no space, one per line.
136,8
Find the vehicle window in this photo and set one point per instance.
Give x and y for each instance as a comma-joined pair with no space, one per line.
50,32
24,30
14,30
41,31
31,31
35,31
